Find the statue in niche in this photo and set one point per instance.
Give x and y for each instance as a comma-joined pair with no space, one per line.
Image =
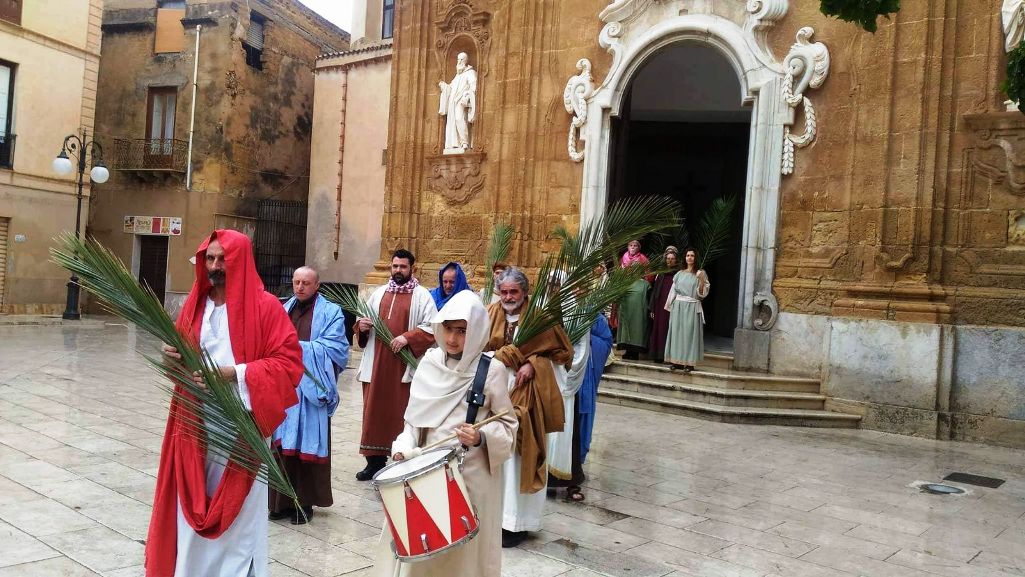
459,106
1013,14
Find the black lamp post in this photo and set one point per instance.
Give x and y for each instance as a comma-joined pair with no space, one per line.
78,147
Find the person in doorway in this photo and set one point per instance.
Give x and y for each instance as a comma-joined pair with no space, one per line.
685,341
451,279
209,518
632,333
437,409
302,443
407,309
660,288
537,397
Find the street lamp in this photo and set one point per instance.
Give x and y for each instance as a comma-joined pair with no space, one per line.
77,147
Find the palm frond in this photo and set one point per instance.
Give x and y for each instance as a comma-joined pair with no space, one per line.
581,255
498,250
214,414
347,298
714,231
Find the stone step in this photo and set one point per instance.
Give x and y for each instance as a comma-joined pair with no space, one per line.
718,378
714,395
739,415
712,360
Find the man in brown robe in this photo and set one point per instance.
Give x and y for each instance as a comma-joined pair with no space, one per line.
536,365
302,443
406,309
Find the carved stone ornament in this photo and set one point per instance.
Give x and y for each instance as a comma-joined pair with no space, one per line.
461,20
456,177
766,310
806,67
998,151
578,89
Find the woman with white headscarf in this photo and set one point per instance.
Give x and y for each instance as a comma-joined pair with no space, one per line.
437,409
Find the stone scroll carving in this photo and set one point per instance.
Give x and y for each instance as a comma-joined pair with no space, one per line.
806,67
766,310
578,89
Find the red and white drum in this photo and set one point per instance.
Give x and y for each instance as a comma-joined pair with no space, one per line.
426,504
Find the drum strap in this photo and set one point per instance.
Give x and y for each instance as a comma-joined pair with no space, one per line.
475,396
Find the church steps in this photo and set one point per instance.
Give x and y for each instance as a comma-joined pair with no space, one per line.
714,377
712,394
726,414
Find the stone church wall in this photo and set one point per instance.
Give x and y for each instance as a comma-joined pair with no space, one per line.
899,247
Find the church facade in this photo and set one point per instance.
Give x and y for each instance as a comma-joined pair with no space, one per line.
880,233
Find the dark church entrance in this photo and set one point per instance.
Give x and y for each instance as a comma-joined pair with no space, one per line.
683,133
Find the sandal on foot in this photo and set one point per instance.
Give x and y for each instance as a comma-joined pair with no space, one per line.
574,495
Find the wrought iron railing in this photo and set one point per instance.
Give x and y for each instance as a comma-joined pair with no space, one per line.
7,150
150,154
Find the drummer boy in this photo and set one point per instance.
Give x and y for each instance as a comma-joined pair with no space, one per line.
437,411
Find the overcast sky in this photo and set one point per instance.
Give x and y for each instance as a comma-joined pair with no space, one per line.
339,12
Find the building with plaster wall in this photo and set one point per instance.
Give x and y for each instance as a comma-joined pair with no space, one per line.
245,164
49,59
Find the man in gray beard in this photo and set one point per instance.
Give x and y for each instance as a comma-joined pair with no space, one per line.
535,368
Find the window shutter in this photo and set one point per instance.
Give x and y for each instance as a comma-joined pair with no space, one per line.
254,35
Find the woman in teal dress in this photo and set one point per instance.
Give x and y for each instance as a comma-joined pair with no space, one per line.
632,334
685,342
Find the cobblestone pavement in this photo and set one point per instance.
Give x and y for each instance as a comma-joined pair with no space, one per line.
81,424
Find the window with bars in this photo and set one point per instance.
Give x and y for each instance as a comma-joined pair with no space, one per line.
253,42
388,19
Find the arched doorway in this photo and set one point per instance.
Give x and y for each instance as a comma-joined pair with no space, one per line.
683,131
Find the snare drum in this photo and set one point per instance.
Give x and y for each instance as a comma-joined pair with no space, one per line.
426,504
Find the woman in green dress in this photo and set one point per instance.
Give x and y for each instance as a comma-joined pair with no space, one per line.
632,333
685,342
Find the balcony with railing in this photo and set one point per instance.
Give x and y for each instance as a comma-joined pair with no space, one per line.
150,154
7,150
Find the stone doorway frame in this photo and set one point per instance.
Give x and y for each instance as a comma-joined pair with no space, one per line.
634,31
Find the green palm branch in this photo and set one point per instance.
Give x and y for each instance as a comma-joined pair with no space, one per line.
498,249
347,298
582,294
714,230
213,414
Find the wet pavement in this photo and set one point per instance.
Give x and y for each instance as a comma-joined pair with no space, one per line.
81,420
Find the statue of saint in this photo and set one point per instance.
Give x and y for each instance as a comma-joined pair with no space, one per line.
1013,14
459,106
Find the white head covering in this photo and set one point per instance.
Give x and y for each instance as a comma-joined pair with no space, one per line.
436,389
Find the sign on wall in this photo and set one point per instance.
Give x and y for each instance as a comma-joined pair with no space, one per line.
158,225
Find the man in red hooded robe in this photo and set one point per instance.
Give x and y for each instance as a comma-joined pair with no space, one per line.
208,518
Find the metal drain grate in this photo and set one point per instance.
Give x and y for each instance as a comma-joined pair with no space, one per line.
974,480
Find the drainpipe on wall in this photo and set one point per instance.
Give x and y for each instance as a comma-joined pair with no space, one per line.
192,115
341,162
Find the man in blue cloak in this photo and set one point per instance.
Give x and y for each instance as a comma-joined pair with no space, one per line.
303,441
451,279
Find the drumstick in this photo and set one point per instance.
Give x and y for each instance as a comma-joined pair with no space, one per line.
476,426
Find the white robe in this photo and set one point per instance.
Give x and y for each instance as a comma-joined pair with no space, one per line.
240,551
523,512
560,444
482,555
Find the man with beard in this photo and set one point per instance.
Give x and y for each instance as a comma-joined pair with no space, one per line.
208,518
406,309
534,390
302,443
